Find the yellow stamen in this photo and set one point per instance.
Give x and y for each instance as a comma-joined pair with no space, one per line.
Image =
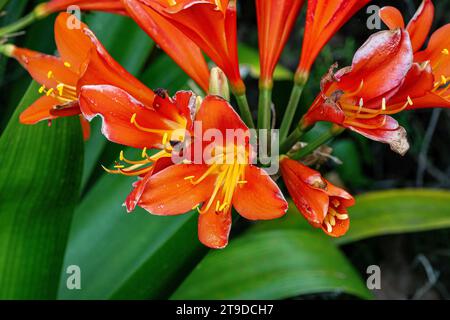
49,92
67,64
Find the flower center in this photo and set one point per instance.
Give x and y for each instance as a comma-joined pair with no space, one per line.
64,93
228,165
353,112
333,216
441,86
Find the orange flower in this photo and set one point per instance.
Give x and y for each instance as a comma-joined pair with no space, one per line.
127,121
225,178
358,97
113,6
174,42
323,20
83,60
429,77
320,202
275,21
130,122
212,25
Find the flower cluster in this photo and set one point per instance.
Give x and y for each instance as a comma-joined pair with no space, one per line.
389,73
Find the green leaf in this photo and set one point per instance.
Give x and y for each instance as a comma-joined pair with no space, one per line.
39,185
165,73
128,256
249,57
397,211
275,264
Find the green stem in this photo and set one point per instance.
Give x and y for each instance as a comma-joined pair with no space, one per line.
292,139
312,146
291,108
36,14
264,108
244,109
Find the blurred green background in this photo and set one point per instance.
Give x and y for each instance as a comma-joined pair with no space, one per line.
59,208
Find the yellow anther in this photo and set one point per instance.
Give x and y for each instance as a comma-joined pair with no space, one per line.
223,206
189,177
172,2
60,88
445,51
119,166
144,153
218,206
133,118
49,92
443,80
383,104
410,102
165,138
121,157
67,64
50,74
41,89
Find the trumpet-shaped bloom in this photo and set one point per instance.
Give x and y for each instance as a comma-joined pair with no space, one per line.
223,179
83,60
320,202
358,97
432,65
129,122
212,25
276,19
174,42
323,19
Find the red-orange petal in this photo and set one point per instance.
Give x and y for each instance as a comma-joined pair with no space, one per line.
217,113
339,229
169,193
311,202
39,65
387,130
116,108
440,62
275,22
392,17
323,20
73,45
420,25
269,202
214,228
85,128
113,6
139,187
177,45
380,64
39,110
418,82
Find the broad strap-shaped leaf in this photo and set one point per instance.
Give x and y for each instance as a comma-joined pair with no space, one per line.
397,211
39,185
272,264
127,256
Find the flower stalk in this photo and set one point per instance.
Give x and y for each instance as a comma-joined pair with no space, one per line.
264,107
35,15
297,90
244,109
